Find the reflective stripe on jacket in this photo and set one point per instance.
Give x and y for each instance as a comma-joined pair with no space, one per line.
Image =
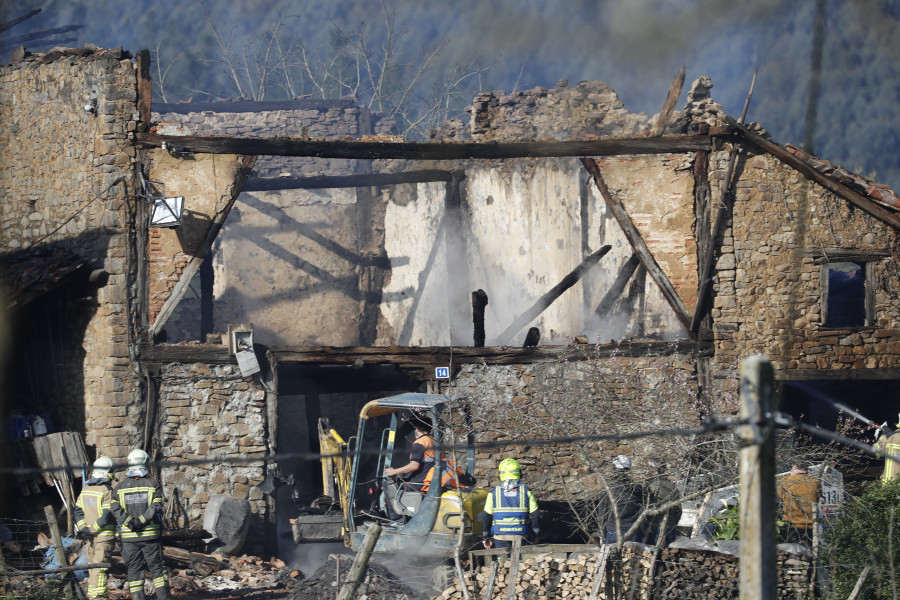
891,447
93,510
141,499
510,510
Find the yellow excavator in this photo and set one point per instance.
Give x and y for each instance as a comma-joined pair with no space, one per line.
357,493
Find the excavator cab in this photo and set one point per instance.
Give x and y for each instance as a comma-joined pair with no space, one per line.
431,516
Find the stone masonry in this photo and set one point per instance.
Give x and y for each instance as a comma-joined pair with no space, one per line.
211,412
65,124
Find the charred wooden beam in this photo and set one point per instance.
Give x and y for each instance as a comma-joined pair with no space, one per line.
837,374
479,301
347,181
637,244
422,357
869,206
702,214
144,88
618,286
842,254
669,105
550,297
283,146
724,208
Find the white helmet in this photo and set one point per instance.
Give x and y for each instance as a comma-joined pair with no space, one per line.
103,467
137,458
622,462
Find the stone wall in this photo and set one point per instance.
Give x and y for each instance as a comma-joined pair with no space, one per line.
593,397
66,119
768,289
210,412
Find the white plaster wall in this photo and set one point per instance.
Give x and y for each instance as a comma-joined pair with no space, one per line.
419,278
524,236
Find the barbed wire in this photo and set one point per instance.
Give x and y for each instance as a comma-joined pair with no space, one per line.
709,426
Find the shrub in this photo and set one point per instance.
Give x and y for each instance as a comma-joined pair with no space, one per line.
867,534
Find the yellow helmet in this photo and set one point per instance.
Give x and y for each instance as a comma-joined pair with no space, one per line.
510,469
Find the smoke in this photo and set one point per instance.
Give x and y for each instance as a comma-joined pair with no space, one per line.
309,558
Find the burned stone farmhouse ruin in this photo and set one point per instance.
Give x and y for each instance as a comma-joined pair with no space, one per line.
355,263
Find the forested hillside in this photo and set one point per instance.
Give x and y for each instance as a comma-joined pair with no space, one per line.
442,53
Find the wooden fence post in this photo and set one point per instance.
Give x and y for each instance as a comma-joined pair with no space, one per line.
757,485
358,570
58,546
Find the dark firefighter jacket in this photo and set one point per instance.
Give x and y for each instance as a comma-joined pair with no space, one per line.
137,505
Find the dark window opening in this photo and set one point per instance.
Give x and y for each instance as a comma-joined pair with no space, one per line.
845,301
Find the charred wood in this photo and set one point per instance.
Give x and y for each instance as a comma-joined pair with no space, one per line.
479,301
283,146
669,105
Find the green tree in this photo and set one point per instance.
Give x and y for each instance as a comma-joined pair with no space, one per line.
867,534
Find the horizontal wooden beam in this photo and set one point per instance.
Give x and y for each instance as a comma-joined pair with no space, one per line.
346,181
837,374
843,254
285,146
422,356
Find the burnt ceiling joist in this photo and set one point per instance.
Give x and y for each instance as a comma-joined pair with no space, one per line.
423,357
362,149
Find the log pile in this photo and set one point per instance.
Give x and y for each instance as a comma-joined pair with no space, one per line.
680,573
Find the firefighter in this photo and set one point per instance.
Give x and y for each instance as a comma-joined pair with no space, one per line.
95,524
889,444
137,505
511,508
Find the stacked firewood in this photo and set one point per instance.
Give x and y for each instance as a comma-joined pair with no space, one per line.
677,573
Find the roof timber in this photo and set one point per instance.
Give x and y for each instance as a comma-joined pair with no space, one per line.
362,149
424,357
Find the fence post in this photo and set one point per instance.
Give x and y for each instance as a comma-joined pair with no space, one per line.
358,569
58,546
757,485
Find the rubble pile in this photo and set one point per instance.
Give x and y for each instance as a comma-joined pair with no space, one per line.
239,575
378,583
591,108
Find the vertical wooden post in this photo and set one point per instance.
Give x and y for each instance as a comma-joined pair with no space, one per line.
492,579
57,544
479,301
514,556
600,571
358,569
757,480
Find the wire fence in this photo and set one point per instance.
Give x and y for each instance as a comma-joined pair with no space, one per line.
709,426
27,548
25,543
